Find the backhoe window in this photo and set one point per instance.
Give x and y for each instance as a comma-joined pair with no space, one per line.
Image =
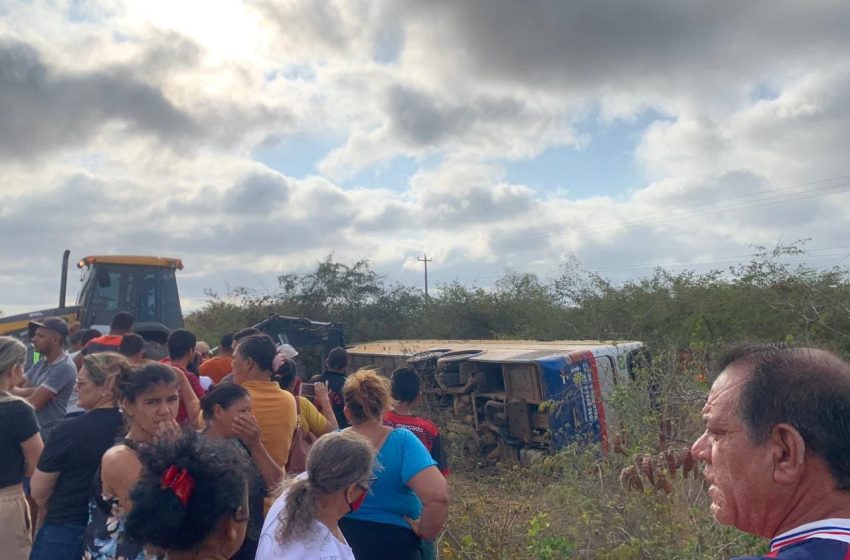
113,290
172,316
148,297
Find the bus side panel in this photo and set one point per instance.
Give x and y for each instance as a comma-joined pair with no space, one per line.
576,412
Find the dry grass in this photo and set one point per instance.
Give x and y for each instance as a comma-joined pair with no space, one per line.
572,505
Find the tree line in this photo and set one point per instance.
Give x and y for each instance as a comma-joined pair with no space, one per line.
765,299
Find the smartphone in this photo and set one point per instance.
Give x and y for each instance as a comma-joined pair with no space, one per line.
308,390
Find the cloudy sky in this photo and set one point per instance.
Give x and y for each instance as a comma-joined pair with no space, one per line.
253,138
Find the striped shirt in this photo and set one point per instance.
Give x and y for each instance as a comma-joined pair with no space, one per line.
828,539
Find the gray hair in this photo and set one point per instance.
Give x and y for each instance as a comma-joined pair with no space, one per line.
12,351
808,388
336,461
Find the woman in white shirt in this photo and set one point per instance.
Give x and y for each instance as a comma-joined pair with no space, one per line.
302,524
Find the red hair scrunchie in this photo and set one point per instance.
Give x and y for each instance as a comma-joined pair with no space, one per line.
180,482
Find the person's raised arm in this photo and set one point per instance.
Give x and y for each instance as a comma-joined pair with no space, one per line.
188,396
247,429
325,407
433,491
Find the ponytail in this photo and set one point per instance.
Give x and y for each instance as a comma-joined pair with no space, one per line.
335,462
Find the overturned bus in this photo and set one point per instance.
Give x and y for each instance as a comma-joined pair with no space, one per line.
513,398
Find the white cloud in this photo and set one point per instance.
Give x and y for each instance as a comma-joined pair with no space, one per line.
132,126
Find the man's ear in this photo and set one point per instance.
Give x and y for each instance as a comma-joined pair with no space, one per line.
789,453
347,413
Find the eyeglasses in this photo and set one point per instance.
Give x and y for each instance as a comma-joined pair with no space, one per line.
367,484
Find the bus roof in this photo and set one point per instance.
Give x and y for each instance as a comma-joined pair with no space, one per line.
164,262
493,347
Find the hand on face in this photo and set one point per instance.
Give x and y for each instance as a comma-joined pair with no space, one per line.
167,430
246,428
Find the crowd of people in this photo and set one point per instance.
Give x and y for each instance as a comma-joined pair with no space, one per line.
110,451
115,449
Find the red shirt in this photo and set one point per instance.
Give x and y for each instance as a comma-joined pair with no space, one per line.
182,415
105,343
427,432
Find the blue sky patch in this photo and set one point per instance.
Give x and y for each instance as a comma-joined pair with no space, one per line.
605,166
296,156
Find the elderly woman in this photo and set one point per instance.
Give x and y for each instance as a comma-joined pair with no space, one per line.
20,447
191,500
409,499
303,522
62,482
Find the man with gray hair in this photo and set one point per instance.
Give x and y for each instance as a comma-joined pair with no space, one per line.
777,449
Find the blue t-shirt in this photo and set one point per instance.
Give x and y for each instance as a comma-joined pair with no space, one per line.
400,458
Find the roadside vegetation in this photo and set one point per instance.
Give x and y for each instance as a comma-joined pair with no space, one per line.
639,501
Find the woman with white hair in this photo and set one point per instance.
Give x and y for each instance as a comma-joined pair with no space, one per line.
303,523
20,448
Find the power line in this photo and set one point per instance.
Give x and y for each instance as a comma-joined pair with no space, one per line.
677,215
760,199
730,259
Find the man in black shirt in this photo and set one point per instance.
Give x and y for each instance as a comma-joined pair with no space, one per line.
334,375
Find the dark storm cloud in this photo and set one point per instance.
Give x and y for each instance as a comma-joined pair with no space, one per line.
602,43
421,119
46,110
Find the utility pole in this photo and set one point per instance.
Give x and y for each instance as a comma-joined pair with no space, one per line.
426,260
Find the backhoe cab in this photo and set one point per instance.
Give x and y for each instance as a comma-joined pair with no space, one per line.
143,286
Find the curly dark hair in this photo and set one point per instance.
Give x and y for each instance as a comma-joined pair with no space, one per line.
220,487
